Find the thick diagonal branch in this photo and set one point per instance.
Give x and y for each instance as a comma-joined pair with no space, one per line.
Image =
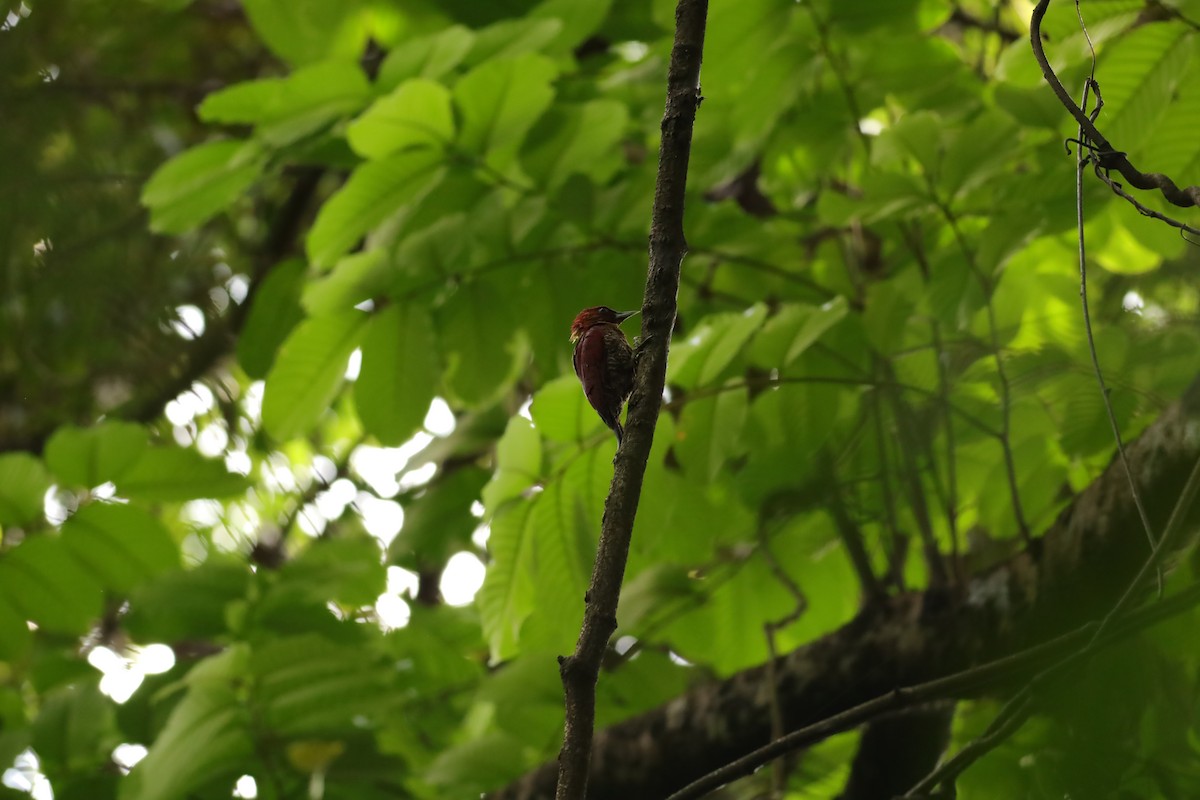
667,247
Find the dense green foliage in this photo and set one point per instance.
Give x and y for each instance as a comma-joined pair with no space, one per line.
881,298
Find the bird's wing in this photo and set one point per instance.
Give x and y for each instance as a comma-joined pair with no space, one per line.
590,366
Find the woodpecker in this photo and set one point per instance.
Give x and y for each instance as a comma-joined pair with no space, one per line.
604,362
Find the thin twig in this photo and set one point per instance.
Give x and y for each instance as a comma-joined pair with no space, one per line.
1084,158
959,684
581,670
1000,729
850,534
1017,710
899,542
1119,190
988,289
770,628
913,238
938,575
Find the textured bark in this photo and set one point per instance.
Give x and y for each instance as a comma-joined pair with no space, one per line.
1073,574
581,669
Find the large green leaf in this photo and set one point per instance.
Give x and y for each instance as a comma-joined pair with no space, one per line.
189,603
14,631
274,312
713,347
198,183
173,473
23,483
376,191
791,331
302,31
416,114
518,464
348,570
484,353
75,730
90,456
710,432
566,525
1139,76
507,596
499,102
49,586
288,109
354,279
399,373
309,686
308,371
429,57
207,735
561,411
583,139
121,545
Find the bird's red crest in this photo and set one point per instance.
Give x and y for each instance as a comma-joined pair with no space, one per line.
596,315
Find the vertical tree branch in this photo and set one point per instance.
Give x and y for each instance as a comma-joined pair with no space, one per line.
580,670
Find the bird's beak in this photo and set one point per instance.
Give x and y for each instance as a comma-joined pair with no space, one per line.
624,315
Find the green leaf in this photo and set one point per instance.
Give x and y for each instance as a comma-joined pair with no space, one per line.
917,136
91,456
561,411
169,474
120,545
348,571
710,432
207,735
509,38
355,278
470,768
187,604
506,598
23,484
274,311
518,464
76,729
439,521
200,182
499,102
399,373
484,352
569,140
1140,75
48,586
794,329
979,153
566,525
579,20
310,686
286,110
301,31
786,428
416,114
376,191
431,57
15,635
308,371
713,347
